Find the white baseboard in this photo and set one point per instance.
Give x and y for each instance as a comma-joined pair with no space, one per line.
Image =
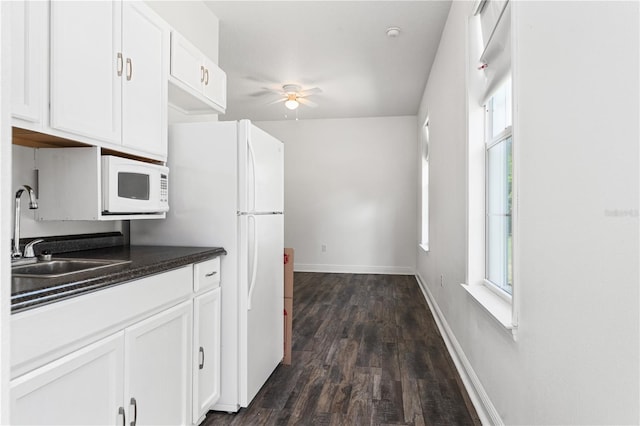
354,269
479,398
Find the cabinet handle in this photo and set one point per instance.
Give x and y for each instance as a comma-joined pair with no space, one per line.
119,64
201,366
201,73
121,412
135,411
206,77
210,274
129,69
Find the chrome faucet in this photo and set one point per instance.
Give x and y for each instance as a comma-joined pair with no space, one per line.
33,204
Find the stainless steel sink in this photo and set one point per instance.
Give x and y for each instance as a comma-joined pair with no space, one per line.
61,267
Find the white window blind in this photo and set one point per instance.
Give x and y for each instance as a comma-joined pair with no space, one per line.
495,60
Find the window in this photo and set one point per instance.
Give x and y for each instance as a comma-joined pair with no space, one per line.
424,155
499,190
492,253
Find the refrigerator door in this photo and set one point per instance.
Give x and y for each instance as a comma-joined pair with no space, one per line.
261,170
262,303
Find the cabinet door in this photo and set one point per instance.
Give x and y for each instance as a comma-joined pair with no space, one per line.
186,62
145,41
28,58
215,83
83,388
206,353
158,368
85,85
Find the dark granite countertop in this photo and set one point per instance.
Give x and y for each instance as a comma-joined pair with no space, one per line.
28,293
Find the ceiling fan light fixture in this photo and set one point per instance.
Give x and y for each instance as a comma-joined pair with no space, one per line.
292,104
290,89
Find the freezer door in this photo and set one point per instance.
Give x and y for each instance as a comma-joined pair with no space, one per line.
261,170
262,301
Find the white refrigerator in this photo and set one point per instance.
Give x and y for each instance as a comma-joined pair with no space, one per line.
226,189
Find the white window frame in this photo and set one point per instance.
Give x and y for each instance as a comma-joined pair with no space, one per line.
424,186
500,306
491,142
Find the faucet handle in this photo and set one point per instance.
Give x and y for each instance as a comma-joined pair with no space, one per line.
28,248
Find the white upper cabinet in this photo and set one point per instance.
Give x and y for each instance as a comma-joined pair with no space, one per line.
198,85
28,59
109,67
145,43
215,83
186,62
103,73
86,71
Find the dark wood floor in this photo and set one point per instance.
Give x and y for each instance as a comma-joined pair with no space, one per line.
366,351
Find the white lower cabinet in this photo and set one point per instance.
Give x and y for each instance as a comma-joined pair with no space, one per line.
206,351
144,353
140,376
82,388
157,368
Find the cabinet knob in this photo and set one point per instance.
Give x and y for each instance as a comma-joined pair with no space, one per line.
210,274
201,73
206,77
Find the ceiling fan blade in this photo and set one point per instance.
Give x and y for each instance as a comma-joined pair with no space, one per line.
262,92
308,92
272,90
277,101
307,102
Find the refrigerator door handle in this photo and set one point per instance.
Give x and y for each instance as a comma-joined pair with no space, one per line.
254,273
253,173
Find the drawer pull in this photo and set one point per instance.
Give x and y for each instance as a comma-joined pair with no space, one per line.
210,274
129,69
201,365
121,412
119,64
135,411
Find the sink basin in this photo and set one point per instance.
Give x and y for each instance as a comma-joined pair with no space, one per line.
61,267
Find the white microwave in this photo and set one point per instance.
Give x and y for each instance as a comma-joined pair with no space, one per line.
133,187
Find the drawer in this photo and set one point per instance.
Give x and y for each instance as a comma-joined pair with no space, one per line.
206,275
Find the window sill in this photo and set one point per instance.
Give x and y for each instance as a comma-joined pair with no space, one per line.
424,247
496,306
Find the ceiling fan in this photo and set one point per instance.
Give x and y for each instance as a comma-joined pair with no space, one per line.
292,95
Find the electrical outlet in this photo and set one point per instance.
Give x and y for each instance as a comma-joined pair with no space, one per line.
323,248
441,280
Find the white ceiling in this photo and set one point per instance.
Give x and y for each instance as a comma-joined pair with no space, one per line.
338,46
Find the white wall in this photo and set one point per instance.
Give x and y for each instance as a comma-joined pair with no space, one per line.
350,184
576,128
